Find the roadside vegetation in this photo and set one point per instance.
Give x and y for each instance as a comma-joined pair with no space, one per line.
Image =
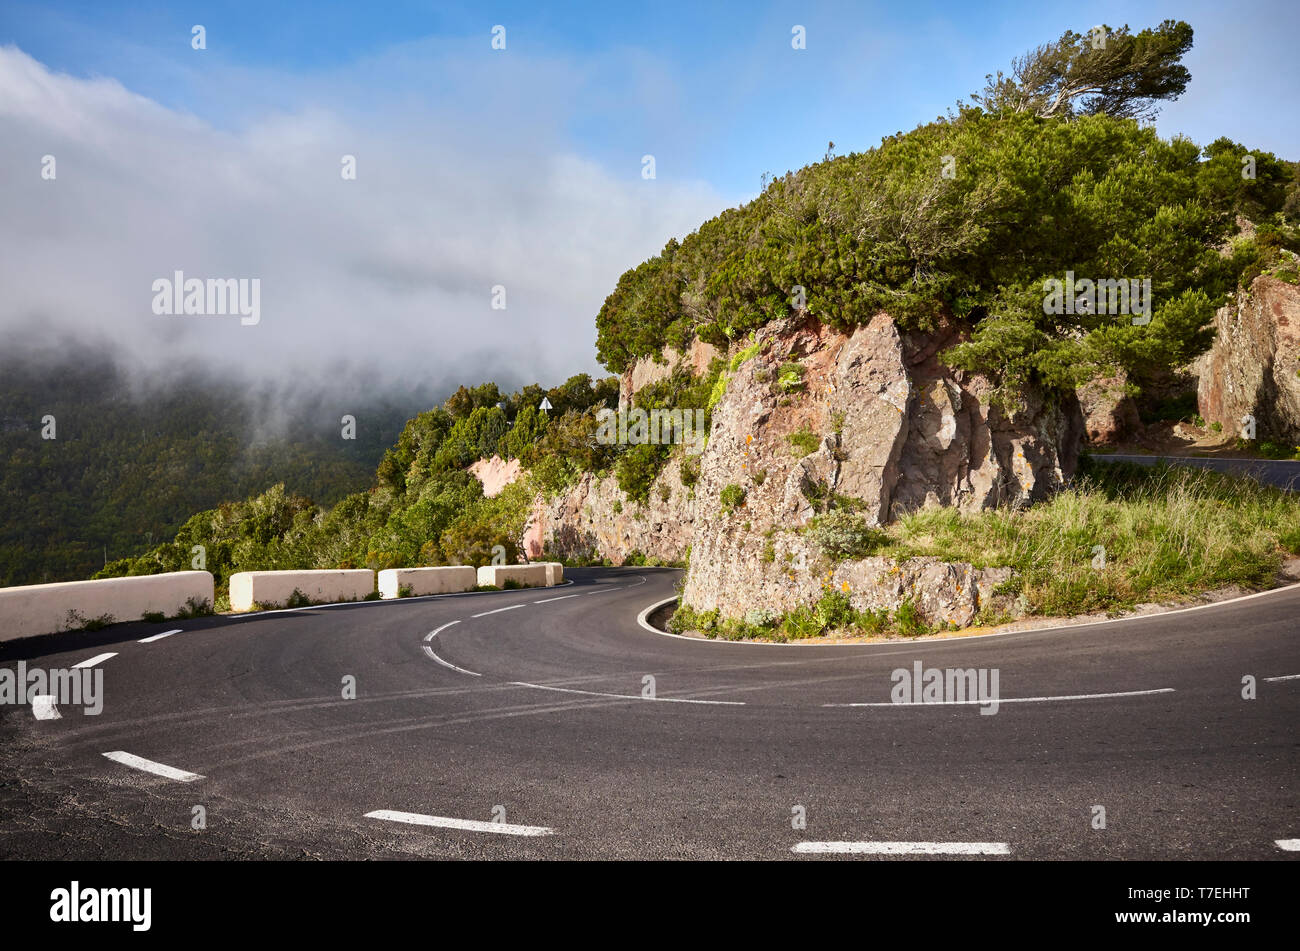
957,224
1120,536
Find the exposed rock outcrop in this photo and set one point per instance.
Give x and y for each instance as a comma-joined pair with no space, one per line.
648,370
594,520
873,415
495,474
1109,414
1252,367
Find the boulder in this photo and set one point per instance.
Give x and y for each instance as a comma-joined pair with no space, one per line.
1253,367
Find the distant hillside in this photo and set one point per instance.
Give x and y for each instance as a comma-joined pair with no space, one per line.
127,466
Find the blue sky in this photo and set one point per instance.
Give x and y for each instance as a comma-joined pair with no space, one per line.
714,90
478,168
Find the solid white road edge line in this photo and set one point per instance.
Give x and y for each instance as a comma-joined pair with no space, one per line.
432,656
902,848
469,825
951,641
1289,845
97,659
497,611
434,633
43,708
149,766
1001,700
625,696
159,637
460,670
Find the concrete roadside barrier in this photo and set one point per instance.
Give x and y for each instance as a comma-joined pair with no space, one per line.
33,609
426,580
529,576
274,589
554,573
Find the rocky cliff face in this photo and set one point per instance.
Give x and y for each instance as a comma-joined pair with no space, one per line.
871,415
1252,366
647,370
1109,414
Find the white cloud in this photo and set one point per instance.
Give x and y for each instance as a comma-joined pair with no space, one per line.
392,271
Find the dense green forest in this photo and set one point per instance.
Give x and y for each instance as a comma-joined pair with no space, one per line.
128,465
963,219
424,508
959,222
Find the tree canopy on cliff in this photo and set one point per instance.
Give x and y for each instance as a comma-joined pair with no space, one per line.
962,221
1110,72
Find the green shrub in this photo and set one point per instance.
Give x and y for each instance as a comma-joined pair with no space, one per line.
638,468
834,610
801,623
690,471
731,497
908,620
844,534
805,441
790,377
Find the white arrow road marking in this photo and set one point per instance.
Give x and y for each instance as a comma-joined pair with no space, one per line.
1001,700
1289,845
497,611
43,708
1273,680
469,825
97,659
902,848
626,696
159,637
149,766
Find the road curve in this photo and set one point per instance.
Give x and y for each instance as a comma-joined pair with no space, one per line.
528,714
1283,473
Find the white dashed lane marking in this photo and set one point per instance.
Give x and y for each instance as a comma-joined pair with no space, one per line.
498,611
468,825
149,766
902,848
43,708
159,637
97,659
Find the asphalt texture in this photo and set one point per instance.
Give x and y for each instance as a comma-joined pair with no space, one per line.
1282,473
540,714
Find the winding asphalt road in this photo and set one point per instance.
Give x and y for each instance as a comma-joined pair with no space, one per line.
1283,473
519,730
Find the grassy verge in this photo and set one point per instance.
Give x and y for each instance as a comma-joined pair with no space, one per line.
1121,535
1165,532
